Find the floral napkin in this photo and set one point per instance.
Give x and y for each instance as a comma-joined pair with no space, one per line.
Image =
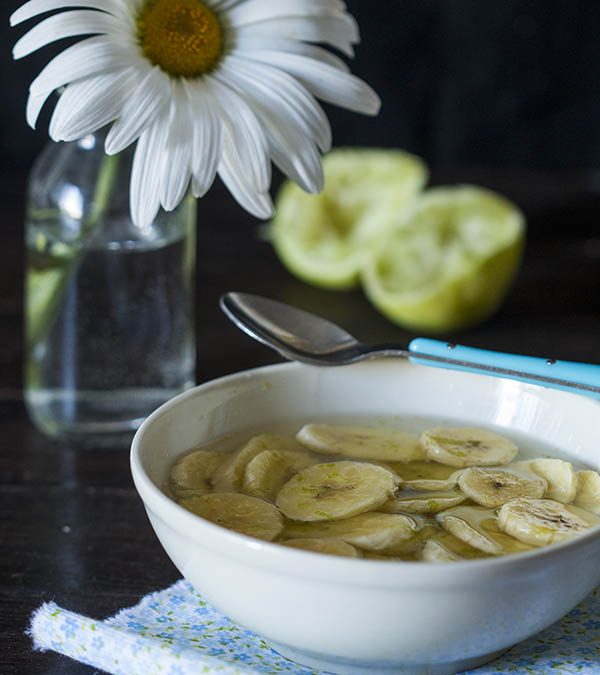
175,632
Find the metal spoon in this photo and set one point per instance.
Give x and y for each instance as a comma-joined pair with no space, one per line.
301,336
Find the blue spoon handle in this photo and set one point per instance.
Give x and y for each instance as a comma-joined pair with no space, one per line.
582,378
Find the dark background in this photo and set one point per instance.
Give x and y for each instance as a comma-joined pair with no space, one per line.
504,82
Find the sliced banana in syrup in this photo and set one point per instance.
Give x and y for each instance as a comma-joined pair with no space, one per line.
478,527
462,447
230,475
244,514
423,470
426,475
434,551
270,470
369,531
560,476
193,473
543,521
588,491
415,501
445,547
493,487
336,490
454,494
388,445
432,485
329,545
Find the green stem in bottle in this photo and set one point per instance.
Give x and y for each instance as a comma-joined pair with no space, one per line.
107,175
46,285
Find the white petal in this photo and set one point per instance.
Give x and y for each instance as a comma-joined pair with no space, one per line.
199,188
250,42
281,92
148,165
298,160
339,31
297,157
67,24
178,151
94,55
327,83
290,137
89,57
35,103
246,132
208,137
258,10
233,174
141,108
90,104
36,7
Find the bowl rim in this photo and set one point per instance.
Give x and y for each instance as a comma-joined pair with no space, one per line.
368,572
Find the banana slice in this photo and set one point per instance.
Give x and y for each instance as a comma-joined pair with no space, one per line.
369,531
192,474
478,527
435,551
445,547
230,475
588,491
560,476
330,545
433,485
270,470
543,521
247,515
413,501
494,487
462,447
428,476
336,490
361,442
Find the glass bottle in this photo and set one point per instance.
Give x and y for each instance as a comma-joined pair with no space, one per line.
109,311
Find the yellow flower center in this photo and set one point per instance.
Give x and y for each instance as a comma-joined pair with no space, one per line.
183,37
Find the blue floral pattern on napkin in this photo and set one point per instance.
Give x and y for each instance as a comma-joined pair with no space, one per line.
175,632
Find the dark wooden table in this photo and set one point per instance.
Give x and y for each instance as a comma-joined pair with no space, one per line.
72,528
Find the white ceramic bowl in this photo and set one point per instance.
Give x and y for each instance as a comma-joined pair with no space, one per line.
356,616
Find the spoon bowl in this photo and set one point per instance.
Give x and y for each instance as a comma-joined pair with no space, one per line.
295,334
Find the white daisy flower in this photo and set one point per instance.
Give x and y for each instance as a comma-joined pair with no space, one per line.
202,86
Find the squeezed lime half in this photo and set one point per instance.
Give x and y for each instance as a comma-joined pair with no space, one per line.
325,239
449,260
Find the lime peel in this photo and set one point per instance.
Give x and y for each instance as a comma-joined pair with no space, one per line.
468,242
325,239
